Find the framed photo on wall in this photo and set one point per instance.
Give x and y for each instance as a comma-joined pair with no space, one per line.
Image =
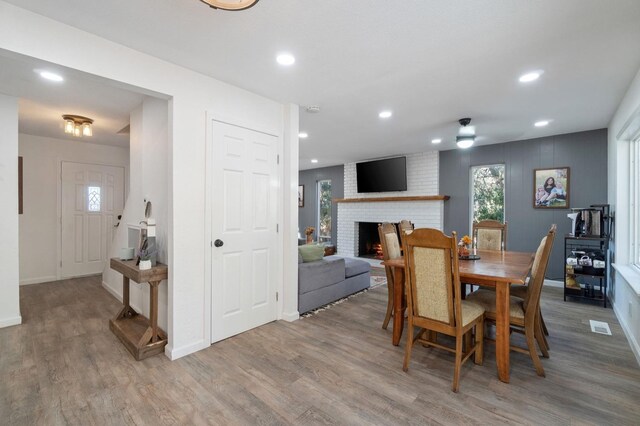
300,195
551,188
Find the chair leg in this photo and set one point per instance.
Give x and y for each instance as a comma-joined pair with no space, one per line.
542,342
479,343
467,341
456,369
544,326
408,347
389,313
529,333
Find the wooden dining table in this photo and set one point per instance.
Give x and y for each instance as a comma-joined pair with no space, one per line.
497,269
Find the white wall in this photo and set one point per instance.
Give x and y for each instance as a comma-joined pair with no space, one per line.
422,179
9,271
41,174
148,180
625,289
191,95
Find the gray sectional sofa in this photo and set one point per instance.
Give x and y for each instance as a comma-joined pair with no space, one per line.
330,279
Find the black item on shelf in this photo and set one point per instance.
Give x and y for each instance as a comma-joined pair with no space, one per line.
591,222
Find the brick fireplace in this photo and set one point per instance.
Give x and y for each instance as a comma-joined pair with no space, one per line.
420,204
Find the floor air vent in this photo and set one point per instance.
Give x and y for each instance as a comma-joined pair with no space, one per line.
600,327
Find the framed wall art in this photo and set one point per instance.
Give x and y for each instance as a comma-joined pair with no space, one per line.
300,195
551,188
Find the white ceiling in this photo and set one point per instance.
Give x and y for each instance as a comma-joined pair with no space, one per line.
42,103
430,61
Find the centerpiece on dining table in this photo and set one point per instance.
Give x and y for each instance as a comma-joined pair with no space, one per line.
463,249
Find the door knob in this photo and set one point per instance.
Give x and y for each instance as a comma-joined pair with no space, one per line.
218,243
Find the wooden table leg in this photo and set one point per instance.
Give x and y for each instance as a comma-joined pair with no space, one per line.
153,309
502,331
127,310
398,307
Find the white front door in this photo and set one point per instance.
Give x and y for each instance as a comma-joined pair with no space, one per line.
92,198
244,214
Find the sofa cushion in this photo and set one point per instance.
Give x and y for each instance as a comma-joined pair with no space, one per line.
321,273
311,252
353,267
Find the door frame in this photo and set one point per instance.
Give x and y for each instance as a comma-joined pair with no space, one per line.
59,161
210,118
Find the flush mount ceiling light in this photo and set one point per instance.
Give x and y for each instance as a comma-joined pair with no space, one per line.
541,123
77,125
314,161
436,140
530,76
303,135
466,135
385,114
230,4
50,76
286,59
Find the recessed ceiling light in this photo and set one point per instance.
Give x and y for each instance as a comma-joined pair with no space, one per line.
385,114
313,160
303,135
530,76
50,76
541,123
436,140
286,59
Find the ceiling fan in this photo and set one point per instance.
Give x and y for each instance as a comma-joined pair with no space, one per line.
466,134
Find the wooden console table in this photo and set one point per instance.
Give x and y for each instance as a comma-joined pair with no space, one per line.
141,336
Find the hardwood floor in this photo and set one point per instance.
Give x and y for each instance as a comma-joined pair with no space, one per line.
63,366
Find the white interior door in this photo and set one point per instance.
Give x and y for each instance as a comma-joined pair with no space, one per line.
244,220
92,196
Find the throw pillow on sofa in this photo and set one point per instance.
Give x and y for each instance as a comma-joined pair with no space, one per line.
311,252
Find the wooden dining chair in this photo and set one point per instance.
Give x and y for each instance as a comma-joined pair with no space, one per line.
433,298
490,235
524,313
390,250
487,235
405,225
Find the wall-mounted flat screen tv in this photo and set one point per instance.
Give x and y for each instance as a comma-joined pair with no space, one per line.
382,175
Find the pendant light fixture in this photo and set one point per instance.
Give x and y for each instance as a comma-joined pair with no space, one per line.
230,4
77,125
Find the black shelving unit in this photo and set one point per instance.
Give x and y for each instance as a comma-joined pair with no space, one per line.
587,282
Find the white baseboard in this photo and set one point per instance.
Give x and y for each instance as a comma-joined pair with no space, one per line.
554,283
39,280
290,316
175,353
633,343
8,322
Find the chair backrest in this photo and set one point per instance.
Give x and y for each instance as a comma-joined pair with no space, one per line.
538,271
490,235
389,240
433,280
405,225
390,247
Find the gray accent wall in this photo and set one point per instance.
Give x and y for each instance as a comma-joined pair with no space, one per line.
308,215
585,153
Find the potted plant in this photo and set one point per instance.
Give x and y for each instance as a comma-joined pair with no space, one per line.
309,233
145,259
